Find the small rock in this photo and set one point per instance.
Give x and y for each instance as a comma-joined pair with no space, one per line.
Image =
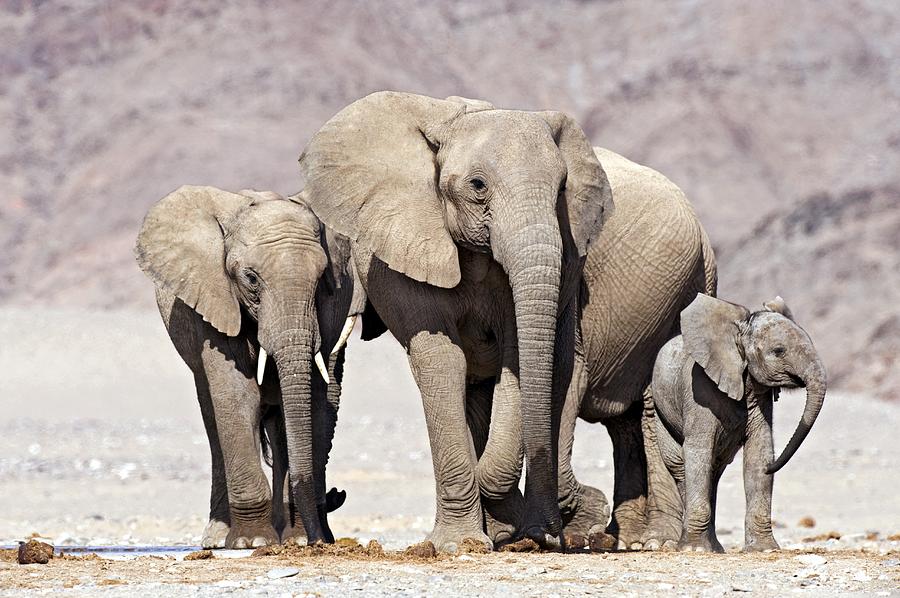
811,560
465,557
267,550
861,576
200,555
665,586
737,588
281,572
34,551
891,563
536,571
807,522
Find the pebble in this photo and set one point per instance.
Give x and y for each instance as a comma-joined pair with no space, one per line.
280,572
861,576
811,560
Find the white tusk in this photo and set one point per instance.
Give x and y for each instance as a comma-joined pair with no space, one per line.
261,366
345,334
320,363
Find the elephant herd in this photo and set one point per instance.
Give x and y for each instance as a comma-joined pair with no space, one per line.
531,279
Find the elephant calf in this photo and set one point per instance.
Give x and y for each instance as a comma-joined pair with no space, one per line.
241,276
712,392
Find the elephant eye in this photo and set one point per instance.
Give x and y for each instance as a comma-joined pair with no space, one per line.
478,184
778,351
251,277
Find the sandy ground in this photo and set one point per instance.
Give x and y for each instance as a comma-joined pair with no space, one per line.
101,444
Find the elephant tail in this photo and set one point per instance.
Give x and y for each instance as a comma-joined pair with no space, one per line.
710,269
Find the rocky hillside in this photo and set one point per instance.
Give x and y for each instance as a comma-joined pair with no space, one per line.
776,120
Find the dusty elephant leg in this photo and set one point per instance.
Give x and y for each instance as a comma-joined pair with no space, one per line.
236,403
758,453
439,367
664,508
219,524
629,516
502,516
584,509
696,533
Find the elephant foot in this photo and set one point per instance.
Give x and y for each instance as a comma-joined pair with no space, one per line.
294,535
449,538
662,532
703,543
251,535
590,514
503,518
628,524
214,534
760,544
660,545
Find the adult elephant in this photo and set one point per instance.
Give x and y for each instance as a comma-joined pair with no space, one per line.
240,276
649,263
469,227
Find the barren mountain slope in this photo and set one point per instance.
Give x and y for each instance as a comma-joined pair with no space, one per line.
106,107
836,260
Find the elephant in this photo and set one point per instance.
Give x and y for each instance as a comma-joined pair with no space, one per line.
469,226
240,276
713,388
648,263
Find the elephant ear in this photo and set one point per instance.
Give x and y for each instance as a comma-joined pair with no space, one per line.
711,329
778,306
181,247
370,175
588,195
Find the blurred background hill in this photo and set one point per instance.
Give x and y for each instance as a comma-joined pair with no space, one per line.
780,120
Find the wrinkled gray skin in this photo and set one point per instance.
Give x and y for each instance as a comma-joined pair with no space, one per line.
469,226
648,263
713,389
236,272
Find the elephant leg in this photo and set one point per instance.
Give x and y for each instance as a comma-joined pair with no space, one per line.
439,368
664,508
236,404
629,515
698,480
219,524
758,453
584,509
503,504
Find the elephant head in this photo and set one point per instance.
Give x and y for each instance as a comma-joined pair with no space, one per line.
728,342
408,177
251,255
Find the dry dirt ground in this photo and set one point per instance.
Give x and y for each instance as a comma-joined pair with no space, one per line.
101,444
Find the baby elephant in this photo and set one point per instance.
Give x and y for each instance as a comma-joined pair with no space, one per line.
713,389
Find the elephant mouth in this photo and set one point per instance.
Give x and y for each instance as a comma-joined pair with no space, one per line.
795,381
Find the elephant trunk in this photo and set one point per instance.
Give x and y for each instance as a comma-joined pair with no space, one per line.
293,346
814,381
529,247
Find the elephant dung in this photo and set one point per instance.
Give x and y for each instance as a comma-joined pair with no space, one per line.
200,555
422,550
34,551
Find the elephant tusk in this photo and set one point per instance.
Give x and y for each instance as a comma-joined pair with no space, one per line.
345,333
320,363
261,366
